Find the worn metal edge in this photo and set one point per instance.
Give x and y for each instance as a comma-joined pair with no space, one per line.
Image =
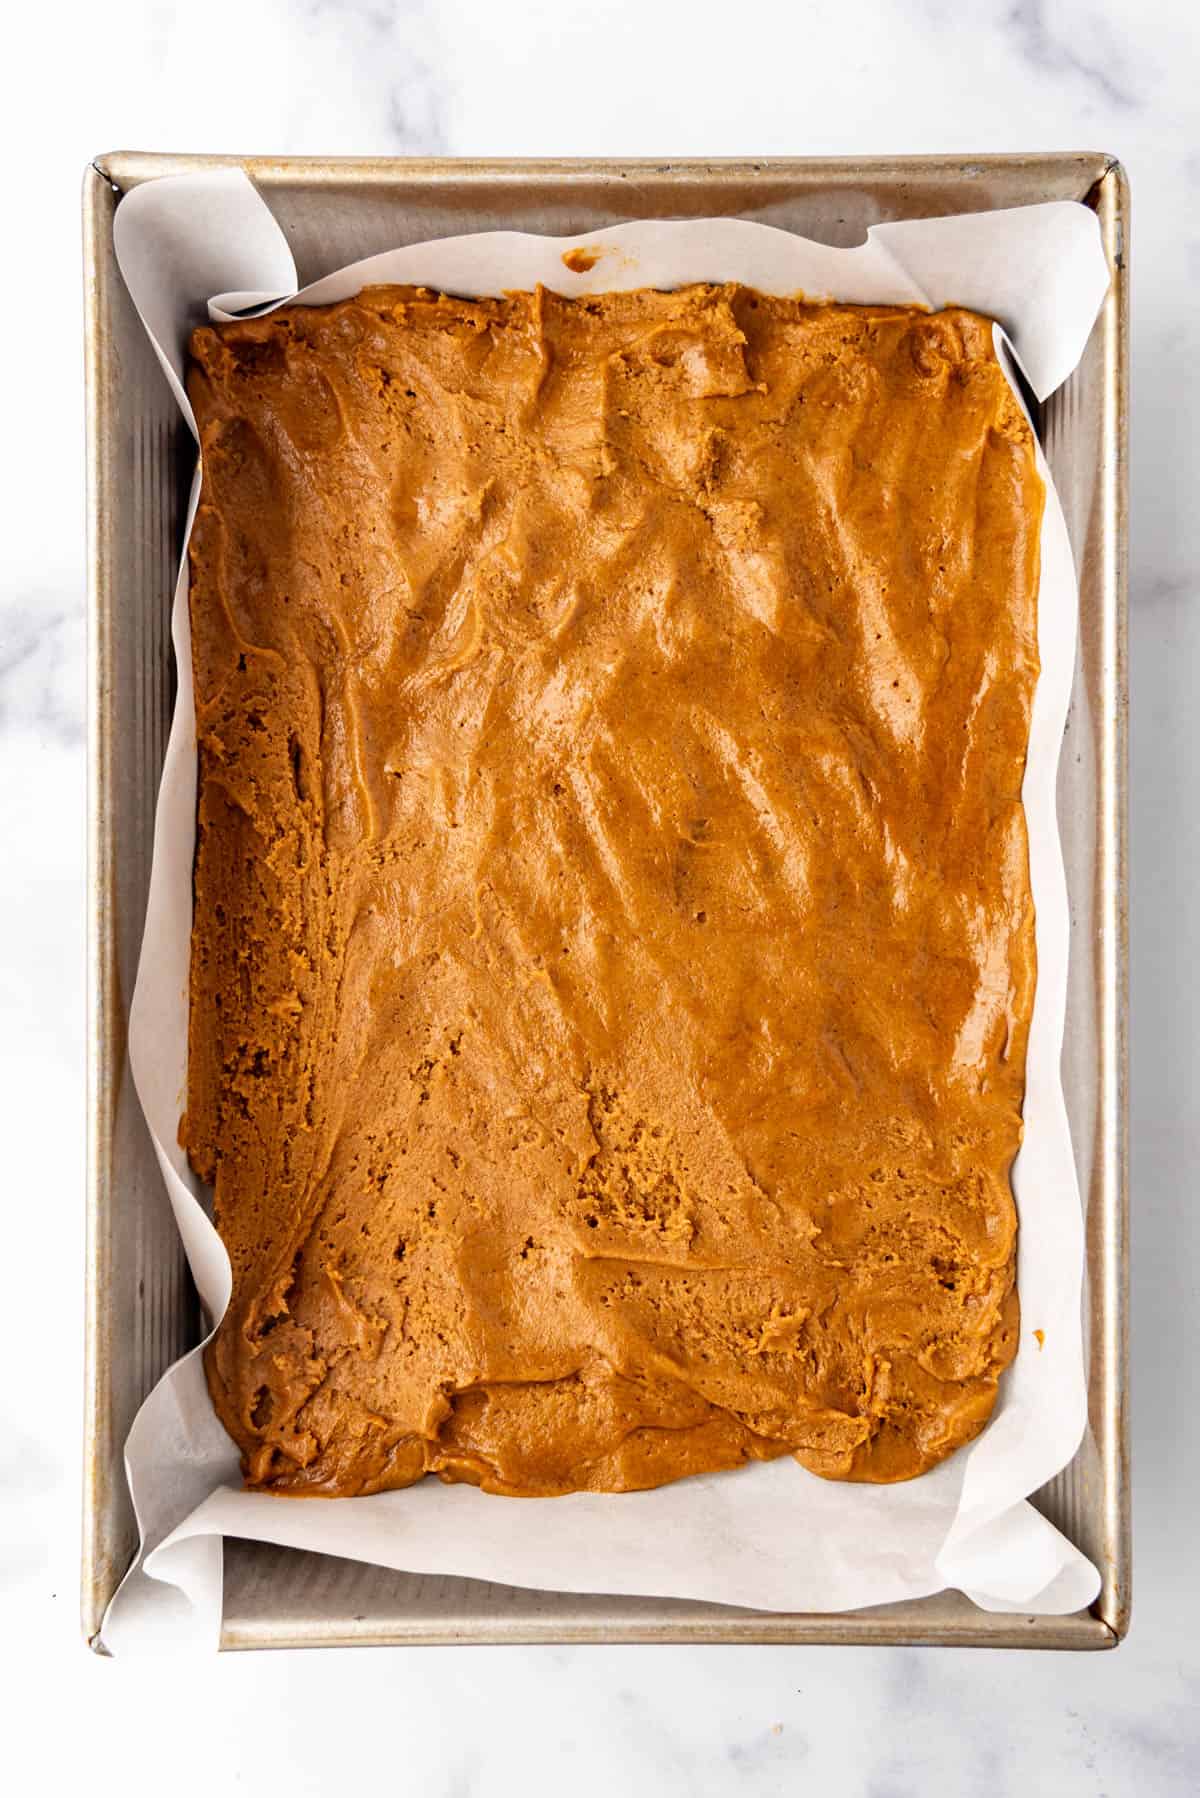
1115,1601
129,168
98,1573
1080,1631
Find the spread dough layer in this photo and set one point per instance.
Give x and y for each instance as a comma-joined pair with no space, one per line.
613,948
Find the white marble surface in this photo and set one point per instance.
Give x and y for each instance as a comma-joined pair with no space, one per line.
632,77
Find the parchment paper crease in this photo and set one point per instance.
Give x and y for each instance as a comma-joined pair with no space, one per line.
769,1537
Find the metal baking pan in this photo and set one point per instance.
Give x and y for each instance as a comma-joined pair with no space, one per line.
141,1311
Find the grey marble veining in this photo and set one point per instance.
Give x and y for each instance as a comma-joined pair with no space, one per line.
1078,48
400,48
41,668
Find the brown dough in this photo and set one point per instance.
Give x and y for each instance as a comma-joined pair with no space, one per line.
613,949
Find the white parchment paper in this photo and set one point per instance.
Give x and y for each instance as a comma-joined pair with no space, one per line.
770,1537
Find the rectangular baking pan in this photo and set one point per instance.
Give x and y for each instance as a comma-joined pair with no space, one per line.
141,1311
